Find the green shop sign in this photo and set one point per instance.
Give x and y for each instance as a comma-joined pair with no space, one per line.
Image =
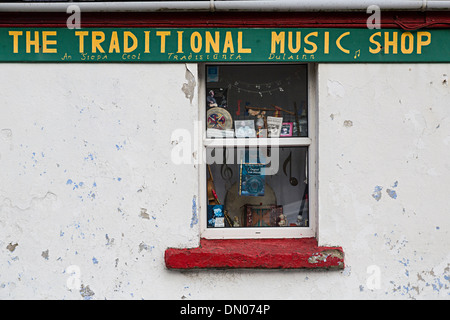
223,45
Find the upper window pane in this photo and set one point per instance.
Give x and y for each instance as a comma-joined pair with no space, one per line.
257,101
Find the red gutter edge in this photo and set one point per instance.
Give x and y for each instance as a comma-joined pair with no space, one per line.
389,19
256,253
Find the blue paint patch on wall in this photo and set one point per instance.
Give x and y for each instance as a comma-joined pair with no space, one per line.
377,193
90,156
91,195
404,262
194,219
391,193
75,185
120,146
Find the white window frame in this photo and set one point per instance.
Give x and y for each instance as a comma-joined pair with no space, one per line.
310,142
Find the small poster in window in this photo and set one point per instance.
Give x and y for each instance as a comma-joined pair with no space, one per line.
245,128
217,97
274,125
216,217
252,180
286,129
213,74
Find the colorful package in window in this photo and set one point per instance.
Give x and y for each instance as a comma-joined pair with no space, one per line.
252,180
216,217
262,216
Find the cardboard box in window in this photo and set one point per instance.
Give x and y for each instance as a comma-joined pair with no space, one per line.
262,216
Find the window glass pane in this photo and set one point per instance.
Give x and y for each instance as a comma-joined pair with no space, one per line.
256,100
265,186
250,187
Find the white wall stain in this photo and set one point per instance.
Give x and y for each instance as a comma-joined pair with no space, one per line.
335,88
348,123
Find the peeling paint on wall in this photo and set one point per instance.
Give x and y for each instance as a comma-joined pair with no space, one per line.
377,193
45,254
11,247
143,214
435,280
194,219
324,255
348,123
145,247
86,292
189,87
390,191
112,125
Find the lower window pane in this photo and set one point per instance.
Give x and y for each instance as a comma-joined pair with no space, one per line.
257,187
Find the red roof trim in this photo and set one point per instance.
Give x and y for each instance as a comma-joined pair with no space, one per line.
256,253
402,20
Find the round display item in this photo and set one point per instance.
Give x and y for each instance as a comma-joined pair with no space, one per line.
219,118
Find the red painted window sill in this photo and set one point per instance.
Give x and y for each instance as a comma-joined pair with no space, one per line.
256,253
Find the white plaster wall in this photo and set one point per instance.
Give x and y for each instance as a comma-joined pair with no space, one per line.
88,190
87,181
384,145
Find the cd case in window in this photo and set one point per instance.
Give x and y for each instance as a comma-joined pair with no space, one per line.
252,179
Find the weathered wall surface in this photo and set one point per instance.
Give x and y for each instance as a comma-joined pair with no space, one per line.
383,149
89,197
87,187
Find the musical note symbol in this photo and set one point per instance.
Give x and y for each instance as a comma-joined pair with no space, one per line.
357,54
